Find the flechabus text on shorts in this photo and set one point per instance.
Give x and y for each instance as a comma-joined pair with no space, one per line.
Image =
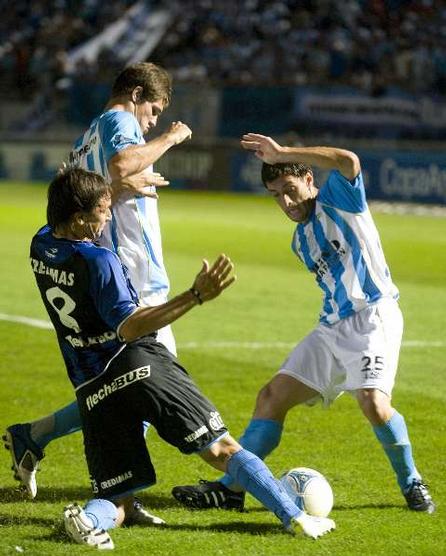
116,384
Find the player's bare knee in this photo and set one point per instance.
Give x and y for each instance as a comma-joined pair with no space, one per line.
219,452
375,405
268,404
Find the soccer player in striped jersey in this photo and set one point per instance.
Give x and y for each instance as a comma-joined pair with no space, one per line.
355,347
114,147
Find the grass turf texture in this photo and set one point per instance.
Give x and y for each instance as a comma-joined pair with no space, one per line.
273,300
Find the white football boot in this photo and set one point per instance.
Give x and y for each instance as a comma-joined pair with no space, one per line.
311,526
140,516
25,456
79,528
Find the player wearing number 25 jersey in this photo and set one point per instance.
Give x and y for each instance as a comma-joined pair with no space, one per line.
355,346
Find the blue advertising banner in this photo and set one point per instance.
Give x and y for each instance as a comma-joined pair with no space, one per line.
414,176
392,175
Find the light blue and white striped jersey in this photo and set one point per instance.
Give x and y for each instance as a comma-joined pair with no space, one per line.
134,231
341,245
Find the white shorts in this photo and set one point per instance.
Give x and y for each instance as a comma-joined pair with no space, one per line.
358,352
164,335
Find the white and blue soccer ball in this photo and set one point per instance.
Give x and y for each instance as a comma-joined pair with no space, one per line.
309,490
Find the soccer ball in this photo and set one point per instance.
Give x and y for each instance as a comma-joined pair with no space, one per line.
309,490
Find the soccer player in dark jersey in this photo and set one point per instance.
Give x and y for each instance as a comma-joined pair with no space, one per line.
114,146
123,376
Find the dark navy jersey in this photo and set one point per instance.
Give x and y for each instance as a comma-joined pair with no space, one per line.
87,295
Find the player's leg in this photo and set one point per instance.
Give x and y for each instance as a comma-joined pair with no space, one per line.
26,442
371,351
117,457
261,437
391,431
253,475
90,525
298,381
274,400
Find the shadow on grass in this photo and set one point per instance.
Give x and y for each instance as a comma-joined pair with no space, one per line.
8,520
240,527
58,534
66,494
76,494
349,507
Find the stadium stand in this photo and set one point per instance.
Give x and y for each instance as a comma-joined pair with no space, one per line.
367,43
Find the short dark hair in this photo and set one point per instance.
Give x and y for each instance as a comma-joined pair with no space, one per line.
156,83
74,190
270,172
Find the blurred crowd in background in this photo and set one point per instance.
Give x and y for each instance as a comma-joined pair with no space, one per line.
331,71
367,43
36,36
370,44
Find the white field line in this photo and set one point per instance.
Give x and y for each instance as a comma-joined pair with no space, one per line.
46,325
36,323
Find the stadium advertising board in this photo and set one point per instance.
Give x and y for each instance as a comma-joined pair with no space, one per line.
413,176
390,115
406,176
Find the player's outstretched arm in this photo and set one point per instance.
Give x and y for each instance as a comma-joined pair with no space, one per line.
136,158
209,283
328,158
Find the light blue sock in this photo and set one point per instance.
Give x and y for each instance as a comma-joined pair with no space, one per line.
253,475
64,421
102,513
394,438
261,437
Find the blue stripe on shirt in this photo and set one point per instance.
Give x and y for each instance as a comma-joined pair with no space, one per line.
340,293
114,233
328,308
102,161
90,162
140,203
368,286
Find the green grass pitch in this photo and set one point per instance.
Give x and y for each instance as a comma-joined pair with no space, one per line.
232,346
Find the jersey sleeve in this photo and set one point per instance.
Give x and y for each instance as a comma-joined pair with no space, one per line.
109,289
341,193
118,130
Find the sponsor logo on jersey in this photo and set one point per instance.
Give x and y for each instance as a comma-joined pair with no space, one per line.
117,384
216,422
330,256
76,155
196,434
79,342
51,253
109,483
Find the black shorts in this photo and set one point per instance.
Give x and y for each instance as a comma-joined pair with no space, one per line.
143,383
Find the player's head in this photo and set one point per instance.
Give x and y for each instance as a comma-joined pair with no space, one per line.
148,88
78,204
292,186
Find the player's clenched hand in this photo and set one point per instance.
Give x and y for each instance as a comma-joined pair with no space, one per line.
212,280
264,147
179,132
